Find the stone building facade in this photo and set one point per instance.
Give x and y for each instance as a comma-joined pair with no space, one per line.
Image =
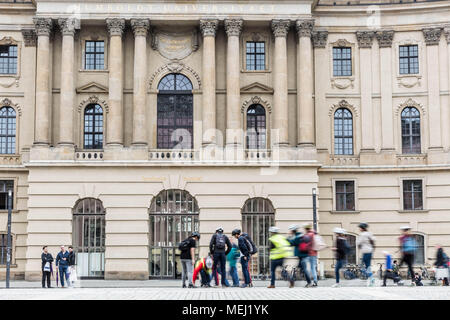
126,125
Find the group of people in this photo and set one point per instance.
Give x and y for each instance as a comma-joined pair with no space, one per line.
65,265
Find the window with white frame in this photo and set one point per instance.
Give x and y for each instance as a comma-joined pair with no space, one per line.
412,195
8,59
343,132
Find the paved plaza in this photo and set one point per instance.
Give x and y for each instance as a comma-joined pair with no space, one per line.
170,290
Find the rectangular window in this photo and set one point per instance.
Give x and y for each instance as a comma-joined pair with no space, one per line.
94,55
409,59
345,195
412,195
342,61
255,55
3,248
8,59
5,185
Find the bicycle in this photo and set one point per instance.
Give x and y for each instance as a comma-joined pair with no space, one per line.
284,274
426,275
350,272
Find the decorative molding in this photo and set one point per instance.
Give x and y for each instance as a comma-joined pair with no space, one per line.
365,38
343,104
93,99
175,45
29,37
92,87
409,81
256,100
341,43
43,26
385,38
280,28
115,26
233,27
140,27
320,39
256,36
68,26
304,27
342,83
410,103
174,66
209,27
432,35
447,33
256,87
8,103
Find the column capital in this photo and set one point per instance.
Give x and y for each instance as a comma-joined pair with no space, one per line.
233,27
68,26
432,35
385,38
115,26
209,27
280,28
140,26
43,26
29,37
365,38
447,33
320,39
304,27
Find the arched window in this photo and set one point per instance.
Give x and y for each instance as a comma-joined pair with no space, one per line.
351,256
256,127
258,215
173,217
7,130
93,127
89,237
343,132
411,130
175,112
419,255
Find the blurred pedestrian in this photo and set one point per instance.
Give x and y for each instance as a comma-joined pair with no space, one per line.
204,268
408,248
232,259
317,244
62,263
47,260
220,246
72,270
245,255
366,245
441,264
302,244
279,249
341,250
253,249
389,272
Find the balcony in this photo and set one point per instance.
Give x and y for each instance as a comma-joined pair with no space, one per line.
173,155
258,154
87,155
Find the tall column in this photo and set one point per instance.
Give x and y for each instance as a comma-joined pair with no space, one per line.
43,28
446,107
208,29
280,30
233,133
140,29
305,82
432,37
365,39
115,118
67,95
387,128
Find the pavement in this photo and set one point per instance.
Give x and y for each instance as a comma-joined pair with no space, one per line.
170,290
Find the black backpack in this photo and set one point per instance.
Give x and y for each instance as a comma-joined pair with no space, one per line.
220,241
184,245
250,244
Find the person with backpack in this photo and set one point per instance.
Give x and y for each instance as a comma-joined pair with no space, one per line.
408,248
317,244
245,255
187,257
232,259
279,249
302,245
253,249
366,245
220,246
341,250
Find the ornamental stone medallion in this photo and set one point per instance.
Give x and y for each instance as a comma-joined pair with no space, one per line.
175,46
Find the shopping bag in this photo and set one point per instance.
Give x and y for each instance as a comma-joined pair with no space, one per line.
73,275
47,267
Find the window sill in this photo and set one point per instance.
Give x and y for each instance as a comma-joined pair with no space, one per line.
345,211
9,75
93,71
413,211
255,71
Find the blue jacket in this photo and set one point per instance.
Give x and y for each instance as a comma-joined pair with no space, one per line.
243,246
295,241
388,262
59,258
233,256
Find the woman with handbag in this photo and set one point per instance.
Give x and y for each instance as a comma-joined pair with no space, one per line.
441,265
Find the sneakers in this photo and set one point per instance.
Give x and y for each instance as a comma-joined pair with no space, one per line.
271,286
336,285
192,286
184,285
308,285
243,285
314,284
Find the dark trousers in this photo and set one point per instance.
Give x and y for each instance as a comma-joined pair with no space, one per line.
63,273
220,259
273,266
205,278
46,276
244,263
337,267
408,258
390,275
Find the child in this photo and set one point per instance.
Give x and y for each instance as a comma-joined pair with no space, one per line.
204,267
232,258
389,272
395,268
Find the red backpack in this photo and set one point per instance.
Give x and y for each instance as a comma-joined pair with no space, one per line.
306,244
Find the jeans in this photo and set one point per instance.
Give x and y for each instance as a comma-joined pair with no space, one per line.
220,258
390,275
302,265
46,276
408,258
64,274
244,263
206,279
234,275
366,258
188,268
338,266
313,267
273,266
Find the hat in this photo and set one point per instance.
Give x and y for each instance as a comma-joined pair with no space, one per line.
274,229
293,227
219,229
307,225
339,230
405,228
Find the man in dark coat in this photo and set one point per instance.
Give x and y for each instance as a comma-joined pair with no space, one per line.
46,271
220,246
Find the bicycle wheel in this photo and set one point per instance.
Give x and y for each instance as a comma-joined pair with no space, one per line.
348,275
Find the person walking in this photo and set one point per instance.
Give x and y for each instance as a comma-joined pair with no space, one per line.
232,259
312,253
366,245
62,263
341,249
302,244
279,249
220,246
389,270
71,269
204,268
47,260
408,249
441,263
245,255
187,257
